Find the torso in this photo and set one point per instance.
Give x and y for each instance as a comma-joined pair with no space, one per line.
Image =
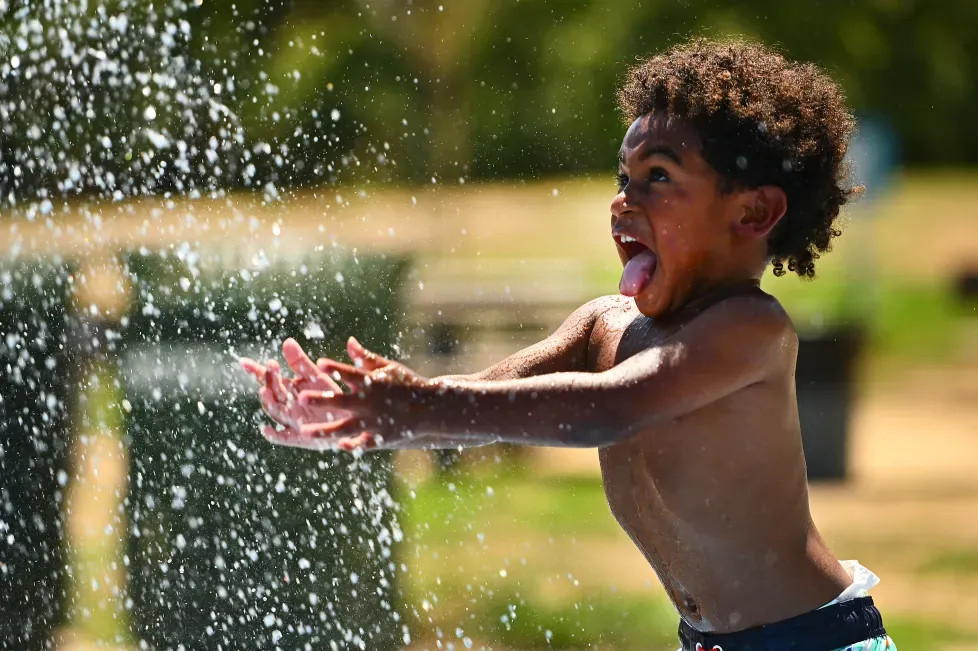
717,500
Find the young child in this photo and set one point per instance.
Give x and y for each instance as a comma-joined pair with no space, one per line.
733,160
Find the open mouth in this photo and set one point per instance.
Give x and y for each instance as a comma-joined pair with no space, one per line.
640,265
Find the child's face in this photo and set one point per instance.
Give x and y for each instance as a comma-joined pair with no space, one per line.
670,201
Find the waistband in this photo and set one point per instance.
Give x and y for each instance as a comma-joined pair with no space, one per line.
832,627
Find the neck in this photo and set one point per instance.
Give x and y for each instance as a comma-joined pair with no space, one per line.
709,296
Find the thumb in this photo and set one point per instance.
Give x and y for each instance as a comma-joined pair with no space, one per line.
364,358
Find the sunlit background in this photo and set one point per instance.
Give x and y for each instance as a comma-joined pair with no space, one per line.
184,182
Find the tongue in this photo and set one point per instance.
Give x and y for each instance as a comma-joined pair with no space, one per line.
637,272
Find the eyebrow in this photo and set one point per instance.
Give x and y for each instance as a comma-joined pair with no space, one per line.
648,152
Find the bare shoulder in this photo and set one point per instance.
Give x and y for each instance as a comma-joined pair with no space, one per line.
754,321
592,311
757,309
615,302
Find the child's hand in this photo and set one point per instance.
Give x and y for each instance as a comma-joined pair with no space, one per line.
317,414
384,393
279,394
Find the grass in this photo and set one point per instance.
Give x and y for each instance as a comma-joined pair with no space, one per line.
916,634
620,622
527,602
98,612
956,562
511,501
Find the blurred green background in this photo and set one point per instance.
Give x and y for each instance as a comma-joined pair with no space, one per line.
516,88
479,137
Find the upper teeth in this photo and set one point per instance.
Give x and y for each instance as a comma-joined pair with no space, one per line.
626,238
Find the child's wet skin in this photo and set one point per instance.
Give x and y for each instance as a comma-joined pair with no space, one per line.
686,387
717,500
670,201
685,384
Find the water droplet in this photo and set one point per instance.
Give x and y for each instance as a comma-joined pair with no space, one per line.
313,331
157,139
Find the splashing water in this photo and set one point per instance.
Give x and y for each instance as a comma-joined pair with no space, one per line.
140,109
112,101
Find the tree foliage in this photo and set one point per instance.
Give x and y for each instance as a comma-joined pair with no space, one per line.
415,90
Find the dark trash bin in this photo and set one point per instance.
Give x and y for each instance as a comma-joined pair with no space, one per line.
825,381
35,406
966,285
236,543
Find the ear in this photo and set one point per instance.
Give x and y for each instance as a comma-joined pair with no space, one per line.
763,208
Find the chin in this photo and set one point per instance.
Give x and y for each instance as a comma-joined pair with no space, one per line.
652,303
661,297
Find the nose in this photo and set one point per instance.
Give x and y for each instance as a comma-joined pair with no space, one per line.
622,204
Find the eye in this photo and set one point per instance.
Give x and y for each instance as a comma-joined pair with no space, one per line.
622,181
658,175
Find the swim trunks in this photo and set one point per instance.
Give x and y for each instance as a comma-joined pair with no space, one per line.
850,622
855,624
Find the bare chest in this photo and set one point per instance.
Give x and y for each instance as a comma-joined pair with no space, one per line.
620,334
645,474
634,469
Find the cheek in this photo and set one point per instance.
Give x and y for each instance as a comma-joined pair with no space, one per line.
680,222
683,245
673,235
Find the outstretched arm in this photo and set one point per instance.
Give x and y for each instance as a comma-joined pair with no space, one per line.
732,345
564,350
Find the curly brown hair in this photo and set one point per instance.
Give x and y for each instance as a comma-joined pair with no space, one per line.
763,120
